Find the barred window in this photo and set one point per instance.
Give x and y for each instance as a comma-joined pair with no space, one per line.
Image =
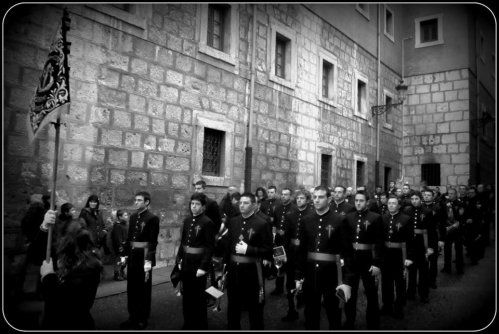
327,79
431,174
326,169
389,110
212,152
429,30
361,97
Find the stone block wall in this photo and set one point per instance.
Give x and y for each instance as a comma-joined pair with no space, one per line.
437,126
142,91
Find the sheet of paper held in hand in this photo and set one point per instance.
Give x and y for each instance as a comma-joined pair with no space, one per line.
214,292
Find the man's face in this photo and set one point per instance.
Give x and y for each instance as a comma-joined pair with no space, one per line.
245,205
301,200
393,205
321,201
378,190
480,188
452,194
427,196
398,192
462,191
271,193
392,184
196,207
405,190
415,201
198,188
140,204
349,191
231,190
92,204
338,194
360,202
286,196
72,212
471,193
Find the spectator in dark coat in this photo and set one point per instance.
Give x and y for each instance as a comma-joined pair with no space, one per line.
94,222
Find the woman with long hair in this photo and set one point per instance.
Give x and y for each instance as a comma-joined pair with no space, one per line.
69,289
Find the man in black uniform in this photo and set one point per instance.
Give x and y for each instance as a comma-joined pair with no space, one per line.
141,246
474,223
295,228
339,205
212,210
194,261
452,232
269,205
395,258
281,237
438,218
423,243
406,196
366,230
249,241
325,239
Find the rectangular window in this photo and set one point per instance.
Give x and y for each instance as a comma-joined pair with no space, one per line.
327,80
389,23
281,57
217,26
389,110
429,31
388,177
360,181
326,169
361,97
212,151
431,174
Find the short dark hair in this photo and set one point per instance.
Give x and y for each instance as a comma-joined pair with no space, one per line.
273,187
342,187
303,192
326,189
65,208
428,190
236,196
201,183
393,196
120,213
363,193
199,197
145,194
384,193
286,188
416,193
250,195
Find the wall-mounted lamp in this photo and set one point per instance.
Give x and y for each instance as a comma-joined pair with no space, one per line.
402,95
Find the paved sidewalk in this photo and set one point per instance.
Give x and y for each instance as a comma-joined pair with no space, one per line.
109,287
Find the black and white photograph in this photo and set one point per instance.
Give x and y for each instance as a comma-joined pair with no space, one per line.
210,166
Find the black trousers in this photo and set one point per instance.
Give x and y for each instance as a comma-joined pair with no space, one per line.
433,267
393,280
320,283
138,289
243,289
362,263
458,248
194,301
418,276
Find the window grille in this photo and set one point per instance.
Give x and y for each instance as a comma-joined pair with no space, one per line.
212,151
429,30
280,56
325,169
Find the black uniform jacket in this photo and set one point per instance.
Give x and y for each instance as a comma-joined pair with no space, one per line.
268,206
254,231
439,217
144,227
281,223
197,232
296,224
366,227
421,218
342,208
396,229
328,233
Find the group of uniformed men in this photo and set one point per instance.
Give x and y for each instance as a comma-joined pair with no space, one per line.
331,241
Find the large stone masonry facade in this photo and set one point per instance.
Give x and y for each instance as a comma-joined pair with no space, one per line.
143,90
437,126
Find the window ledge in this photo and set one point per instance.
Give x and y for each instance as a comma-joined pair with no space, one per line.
424,45
212,52
388,126
327,101
281,81
356,114
390,37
